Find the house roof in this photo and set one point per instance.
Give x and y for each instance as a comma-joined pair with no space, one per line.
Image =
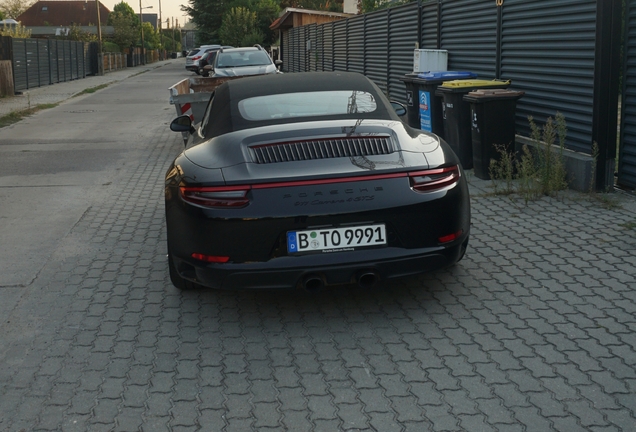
289,17
63,13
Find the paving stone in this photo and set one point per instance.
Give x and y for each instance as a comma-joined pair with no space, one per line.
534,329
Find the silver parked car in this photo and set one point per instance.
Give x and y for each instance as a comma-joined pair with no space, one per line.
244,61
194,56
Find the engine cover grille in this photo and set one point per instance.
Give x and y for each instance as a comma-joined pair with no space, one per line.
322,149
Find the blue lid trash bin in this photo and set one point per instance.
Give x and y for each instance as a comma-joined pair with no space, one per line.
456,114
424,108
492,113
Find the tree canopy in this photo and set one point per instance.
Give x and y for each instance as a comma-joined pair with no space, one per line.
210,15
125,28
123,9
14,8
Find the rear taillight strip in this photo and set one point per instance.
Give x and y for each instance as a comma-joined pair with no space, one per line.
218,197
435,179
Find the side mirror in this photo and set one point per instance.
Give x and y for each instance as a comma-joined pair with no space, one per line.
278,62
399,108
182,124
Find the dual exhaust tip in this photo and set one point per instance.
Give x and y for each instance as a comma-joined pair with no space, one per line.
314,282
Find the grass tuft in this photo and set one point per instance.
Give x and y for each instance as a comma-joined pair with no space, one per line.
16,116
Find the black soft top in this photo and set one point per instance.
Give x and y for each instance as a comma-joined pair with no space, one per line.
223,120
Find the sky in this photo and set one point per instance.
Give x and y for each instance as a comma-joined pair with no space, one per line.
169,8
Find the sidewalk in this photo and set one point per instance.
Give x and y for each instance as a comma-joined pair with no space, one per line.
60,92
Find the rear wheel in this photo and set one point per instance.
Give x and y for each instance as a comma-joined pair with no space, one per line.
176,279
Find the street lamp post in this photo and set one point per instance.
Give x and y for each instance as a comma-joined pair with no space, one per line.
141,22
160,35
100,55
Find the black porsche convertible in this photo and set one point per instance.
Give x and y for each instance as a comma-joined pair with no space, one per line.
310,180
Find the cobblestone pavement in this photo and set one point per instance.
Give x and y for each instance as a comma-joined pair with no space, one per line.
535,330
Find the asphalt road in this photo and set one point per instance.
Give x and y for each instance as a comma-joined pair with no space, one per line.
535,330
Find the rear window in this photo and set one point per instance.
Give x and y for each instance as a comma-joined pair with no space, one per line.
243,58
306,104
193,52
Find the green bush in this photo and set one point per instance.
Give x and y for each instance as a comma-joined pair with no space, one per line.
110,47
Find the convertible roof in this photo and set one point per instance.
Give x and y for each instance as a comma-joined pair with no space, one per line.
225,116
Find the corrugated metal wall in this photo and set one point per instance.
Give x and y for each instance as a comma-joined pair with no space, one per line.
546,49
429,26
40,62
379,45
627,149
469,33
355,46
403,37
555,67
340,45
376,45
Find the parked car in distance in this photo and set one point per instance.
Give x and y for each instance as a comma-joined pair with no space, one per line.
208,59
244,61
307,180
194,56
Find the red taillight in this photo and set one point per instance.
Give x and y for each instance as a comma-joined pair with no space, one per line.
451,237
196,58
210,258
435,179
216,197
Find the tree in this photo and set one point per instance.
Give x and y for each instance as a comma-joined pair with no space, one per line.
266,13
1,15
207,15
238,23
14,8
123,9
151,36
125,29
76,33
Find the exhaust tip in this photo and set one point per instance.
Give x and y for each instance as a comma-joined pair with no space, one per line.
312,283
367,280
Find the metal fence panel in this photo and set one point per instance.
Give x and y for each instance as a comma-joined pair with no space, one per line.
300,58
32,58
312,57
68,62
555,67
429,25
303,65
469,33
20,70
287,52
293,38
319,48
327,47
43,64
355,45
340,45
627,149
376,46
403,35
53,61
81,60
74,58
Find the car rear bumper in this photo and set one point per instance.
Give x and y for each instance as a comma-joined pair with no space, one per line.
315,271
192,67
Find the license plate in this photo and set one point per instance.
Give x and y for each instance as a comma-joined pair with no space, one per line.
336,239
